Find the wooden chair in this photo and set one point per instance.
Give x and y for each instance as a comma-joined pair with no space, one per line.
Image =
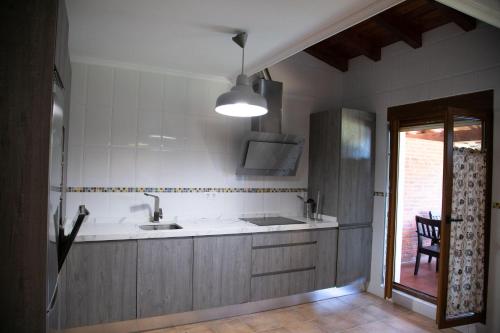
427,228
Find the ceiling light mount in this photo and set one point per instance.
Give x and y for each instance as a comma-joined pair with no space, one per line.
241,100
241,39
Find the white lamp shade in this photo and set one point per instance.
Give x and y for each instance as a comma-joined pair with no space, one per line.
241,101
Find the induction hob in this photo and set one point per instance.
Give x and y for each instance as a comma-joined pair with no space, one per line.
271,220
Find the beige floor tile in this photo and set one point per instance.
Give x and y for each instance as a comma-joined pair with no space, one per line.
262,321
336,306
405,325
347,314
334,325
195,328
304,327
285,316
312,311
277,330
231,326
382,311
163,330
374,327
360,299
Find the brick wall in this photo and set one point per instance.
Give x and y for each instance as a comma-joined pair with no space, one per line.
422,187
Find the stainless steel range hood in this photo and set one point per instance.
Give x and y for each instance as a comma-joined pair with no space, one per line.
265,150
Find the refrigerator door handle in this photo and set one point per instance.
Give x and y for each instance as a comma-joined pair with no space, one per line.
65,242
53,298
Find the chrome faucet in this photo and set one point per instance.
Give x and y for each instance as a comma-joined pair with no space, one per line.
158,213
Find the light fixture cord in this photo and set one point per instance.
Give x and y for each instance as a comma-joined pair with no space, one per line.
242,59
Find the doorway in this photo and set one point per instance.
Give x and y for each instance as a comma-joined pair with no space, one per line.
420,183
439,204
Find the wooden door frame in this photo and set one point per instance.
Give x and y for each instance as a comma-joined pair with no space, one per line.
480,105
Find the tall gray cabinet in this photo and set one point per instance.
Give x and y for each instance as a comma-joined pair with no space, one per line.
341,168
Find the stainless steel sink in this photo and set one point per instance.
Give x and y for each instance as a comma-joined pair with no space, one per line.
170,226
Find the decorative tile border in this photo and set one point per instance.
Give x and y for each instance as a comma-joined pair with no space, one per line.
55,188
185,189
496,205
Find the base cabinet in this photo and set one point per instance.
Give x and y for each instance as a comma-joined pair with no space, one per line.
101,282
288,263
164,276
326,264
354,254
221,270
121,280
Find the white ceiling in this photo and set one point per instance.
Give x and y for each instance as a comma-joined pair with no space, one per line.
194,36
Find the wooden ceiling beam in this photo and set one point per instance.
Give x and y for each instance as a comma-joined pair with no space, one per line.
466,22
362,45
338,61
410,35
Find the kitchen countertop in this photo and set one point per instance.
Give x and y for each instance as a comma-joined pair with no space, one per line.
90,232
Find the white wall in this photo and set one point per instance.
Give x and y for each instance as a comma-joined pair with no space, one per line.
131,128
451,62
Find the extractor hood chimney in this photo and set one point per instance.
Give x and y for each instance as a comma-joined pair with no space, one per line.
273,93
266,151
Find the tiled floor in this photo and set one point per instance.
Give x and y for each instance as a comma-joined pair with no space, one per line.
426,280
349,314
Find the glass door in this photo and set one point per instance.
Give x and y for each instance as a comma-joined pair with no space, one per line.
452,236
466,208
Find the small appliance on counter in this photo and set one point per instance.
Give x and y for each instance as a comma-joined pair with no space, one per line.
309,207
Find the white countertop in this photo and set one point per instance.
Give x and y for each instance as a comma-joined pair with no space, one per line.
194,227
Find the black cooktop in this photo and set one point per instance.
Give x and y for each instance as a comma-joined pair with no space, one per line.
271,220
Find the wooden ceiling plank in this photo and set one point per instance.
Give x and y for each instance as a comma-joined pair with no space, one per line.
362,45
339,62
466,22
410,35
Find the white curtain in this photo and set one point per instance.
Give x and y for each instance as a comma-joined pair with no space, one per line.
466,265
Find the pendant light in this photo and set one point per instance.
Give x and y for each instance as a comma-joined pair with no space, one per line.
241,100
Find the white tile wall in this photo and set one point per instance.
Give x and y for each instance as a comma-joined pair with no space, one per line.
140,129
450,62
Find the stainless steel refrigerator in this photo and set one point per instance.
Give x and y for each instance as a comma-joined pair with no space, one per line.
58,241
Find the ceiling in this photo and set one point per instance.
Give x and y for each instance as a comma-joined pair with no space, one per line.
194,36
405,22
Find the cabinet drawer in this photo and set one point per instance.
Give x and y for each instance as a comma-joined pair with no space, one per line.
284,284
283,258
283,238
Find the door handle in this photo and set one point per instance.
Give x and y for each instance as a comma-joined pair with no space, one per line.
449,220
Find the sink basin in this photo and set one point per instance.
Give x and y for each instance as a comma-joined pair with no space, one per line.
170,226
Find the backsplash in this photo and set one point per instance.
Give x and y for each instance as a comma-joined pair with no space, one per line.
132,131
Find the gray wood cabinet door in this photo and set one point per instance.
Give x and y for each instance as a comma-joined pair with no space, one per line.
101,282
324,160
221,271
164,276
326,263
354,254
357,161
